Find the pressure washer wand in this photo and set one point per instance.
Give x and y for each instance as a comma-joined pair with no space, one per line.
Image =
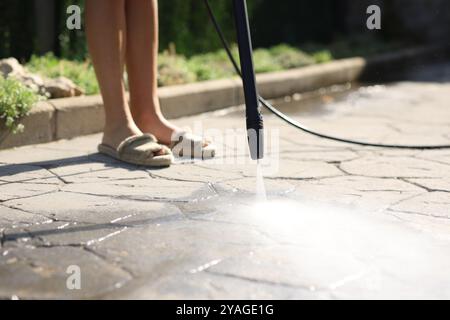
255,126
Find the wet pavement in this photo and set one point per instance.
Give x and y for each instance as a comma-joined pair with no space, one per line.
338,221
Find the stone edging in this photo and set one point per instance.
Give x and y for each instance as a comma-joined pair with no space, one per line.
70,117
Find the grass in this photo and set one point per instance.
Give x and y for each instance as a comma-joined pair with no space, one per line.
80,72
176,69
16,100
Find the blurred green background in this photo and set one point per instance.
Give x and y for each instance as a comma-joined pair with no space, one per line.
30,26
36,26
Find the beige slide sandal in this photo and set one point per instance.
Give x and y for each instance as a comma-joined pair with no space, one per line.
188,145
140,150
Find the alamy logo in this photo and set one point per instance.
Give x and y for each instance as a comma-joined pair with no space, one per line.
74,280
374,20
74,20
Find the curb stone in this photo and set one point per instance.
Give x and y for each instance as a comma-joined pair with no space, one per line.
39,127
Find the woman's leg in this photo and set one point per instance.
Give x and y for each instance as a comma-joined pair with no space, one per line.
106,34
142,54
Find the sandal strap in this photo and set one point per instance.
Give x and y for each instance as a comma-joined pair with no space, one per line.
187,137
135,142
187,144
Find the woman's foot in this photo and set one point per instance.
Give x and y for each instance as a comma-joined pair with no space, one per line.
181,143
114,135
150,120
157,125
141,150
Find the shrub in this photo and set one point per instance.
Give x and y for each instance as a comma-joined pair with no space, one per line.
212,65
289,57
173,69
216,64
322,56
265,62
81,73
16,100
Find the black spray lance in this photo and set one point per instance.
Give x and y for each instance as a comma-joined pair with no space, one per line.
253,115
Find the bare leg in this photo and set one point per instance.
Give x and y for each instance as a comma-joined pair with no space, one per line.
106,34
142,54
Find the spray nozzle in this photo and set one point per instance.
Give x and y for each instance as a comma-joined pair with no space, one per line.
255,133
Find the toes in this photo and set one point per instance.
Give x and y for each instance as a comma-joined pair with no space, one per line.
161,153
164,151
206,143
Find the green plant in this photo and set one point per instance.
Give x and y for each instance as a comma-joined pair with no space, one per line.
322,56
288,57
16,100
173,69
265,62
80,72
216,65
213,65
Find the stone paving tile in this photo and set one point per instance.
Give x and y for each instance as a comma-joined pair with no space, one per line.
13,218
46,274
246,186
13,191
194,173
280,168
394,167
342,253
55,234
204,285
146,190
90,172
436,226
435,204
24,173
432,184
181,253
79,145
375,194
38,154
438,156
305,270
64,206
325,156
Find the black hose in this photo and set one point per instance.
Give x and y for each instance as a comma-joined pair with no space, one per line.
297,124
